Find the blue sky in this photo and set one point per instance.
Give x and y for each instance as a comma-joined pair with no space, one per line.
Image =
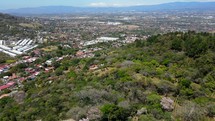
11,4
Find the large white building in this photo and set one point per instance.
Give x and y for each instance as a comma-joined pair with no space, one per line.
99,40
20,47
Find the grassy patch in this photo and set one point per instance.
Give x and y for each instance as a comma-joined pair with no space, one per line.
50,48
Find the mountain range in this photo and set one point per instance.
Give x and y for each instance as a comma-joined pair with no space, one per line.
179,6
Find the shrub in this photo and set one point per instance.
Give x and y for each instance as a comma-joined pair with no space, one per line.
189,112
185,83
93,96
114,113
164,87
211,110
147,118
153,99
77,113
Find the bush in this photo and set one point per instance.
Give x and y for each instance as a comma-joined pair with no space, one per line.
114,113
211,110
189,112
93,96
147,118
186,92
185,83
71,74
153,99
164,87
59,71
77,113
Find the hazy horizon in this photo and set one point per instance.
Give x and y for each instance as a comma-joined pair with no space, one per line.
15,4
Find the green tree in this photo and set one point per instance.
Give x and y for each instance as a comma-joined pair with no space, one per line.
176,44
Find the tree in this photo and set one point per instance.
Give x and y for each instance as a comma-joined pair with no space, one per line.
176,44
59,71
195,46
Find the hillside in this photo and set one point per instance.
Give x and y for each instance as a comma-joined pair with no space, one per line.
168,77
176,6
13,26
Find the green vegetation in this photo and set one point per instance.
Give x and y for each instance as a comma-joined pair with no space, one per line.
5,58
17,26
137,76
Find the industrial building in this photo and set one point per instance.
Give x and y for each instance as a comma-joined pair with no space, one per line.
99,40
20,47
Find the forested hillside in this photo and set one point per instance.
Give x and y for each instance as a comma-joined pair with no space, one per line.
12,26
166,77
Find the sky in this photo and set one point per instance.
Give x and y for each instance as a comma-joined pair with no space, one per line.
13,4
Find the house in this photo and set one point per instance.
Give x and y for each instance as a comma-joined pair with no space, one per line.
4,95
20,80
14,76
30,70
36,73
39,66
49,69
79,53
37,52
4,68
26,57
94,67
6,86
30,60
59,59
48,62
5,79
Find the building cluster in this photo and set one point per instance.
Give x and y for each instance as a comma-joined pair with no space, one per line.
16,80
20,47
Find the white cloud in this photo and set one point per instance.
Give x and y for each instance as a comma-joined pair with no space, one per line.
98,4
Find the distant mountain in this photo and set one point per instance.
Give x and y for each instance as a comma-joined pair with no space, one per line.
202,6
177,6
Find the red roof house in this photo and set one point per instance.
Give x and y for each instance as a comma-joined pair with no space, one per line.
8,85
